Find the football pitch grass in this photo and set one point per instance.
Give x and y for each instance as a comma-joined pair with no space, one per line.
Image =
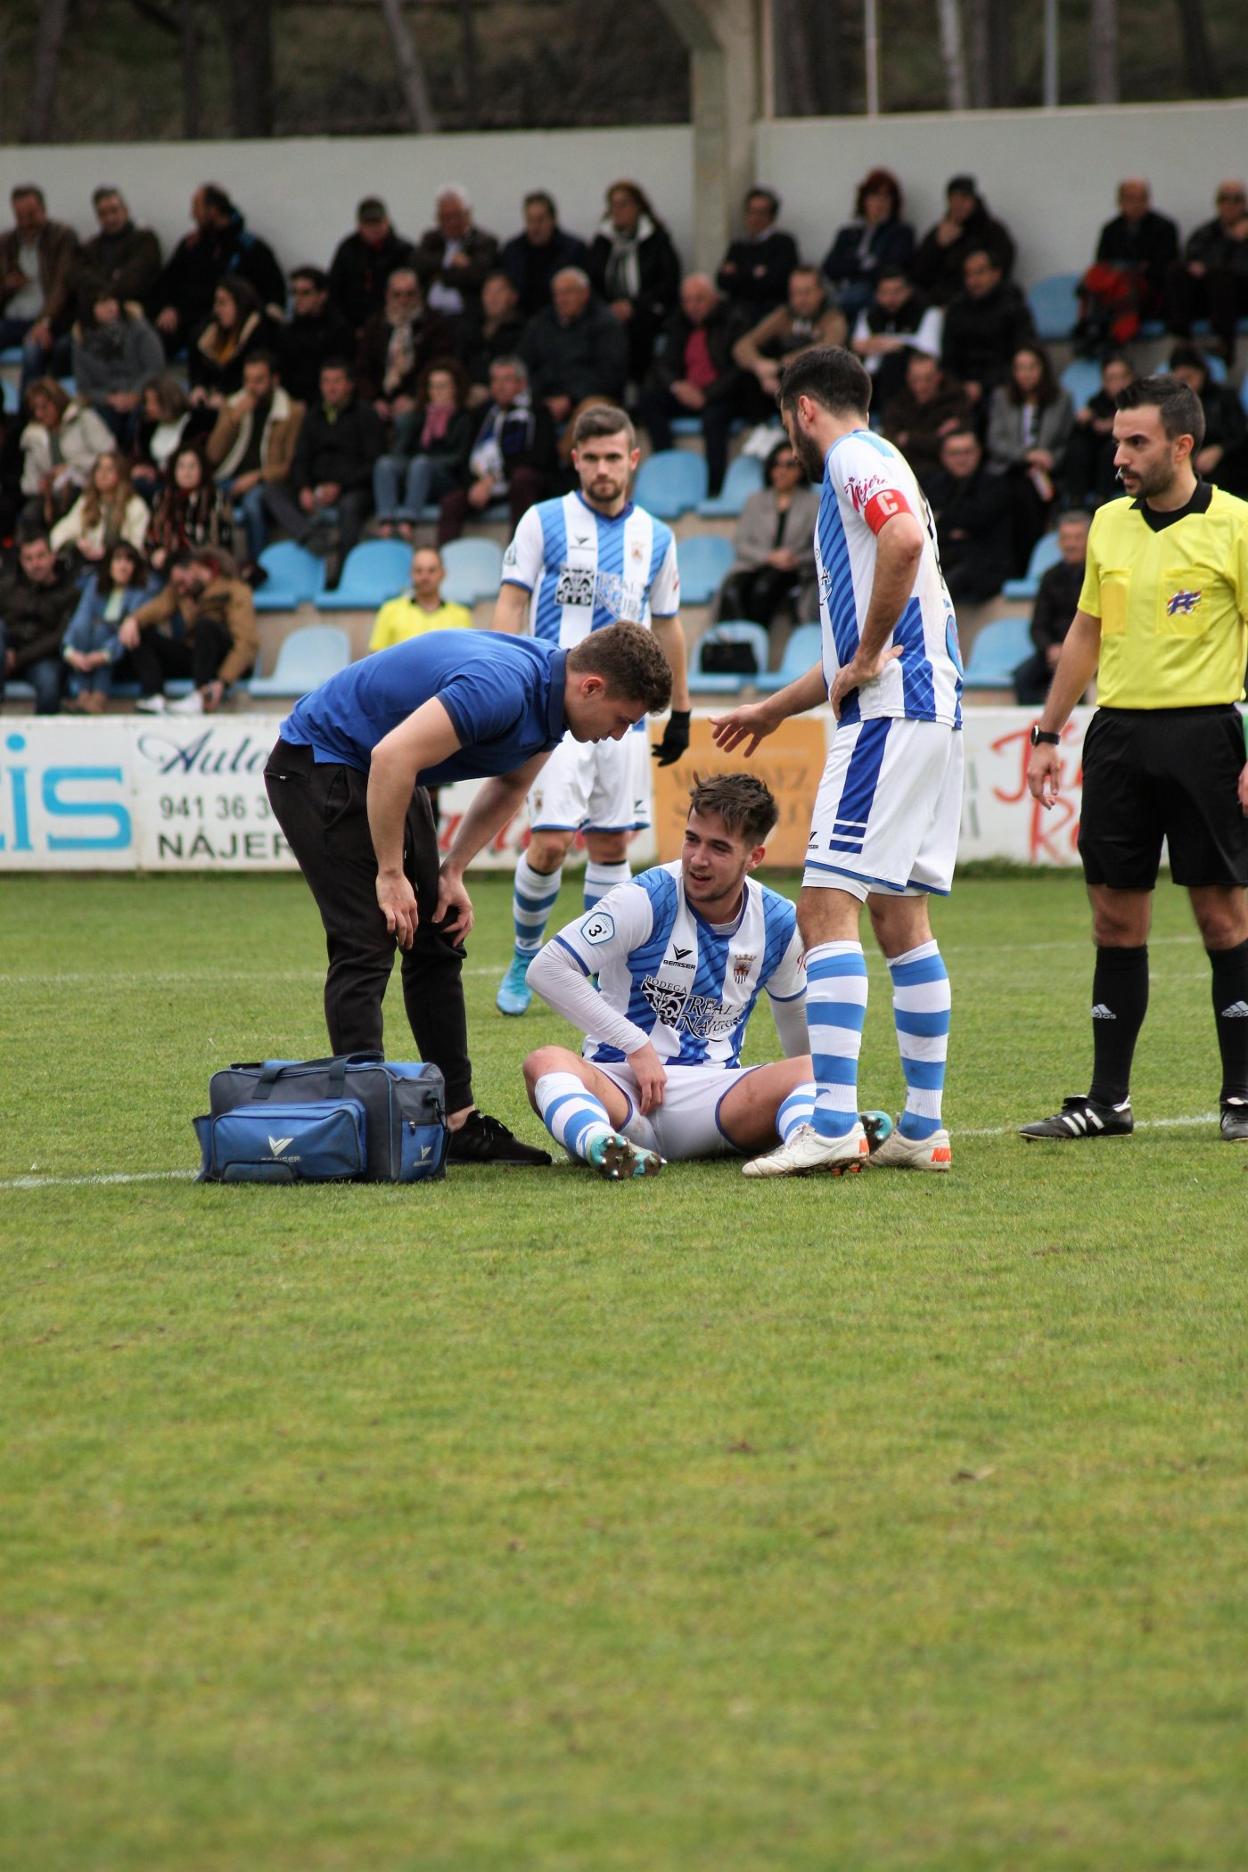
523,1521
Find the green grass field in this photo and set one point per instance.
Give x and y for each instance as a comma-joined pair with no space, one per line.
527,1522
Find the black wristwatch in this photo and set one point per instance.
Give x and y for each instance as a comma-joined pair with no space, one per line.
1040,737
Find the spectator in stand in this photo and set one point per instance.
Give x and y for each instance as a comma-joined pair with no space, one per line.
1057,600
1030,419
1211,280
754,276
966,227
774,565
252,445
121,258
809,316
37,600
512,457
60,445
202,625
364,261
421,609
166,419
115,351
315,330
1088,475
220,245
972,509
1221,455
575,350
331,482
634,267
1125,283
38,258
928,407
895,324
454,257
190,511
430,456
984,326
531,259
398,345
876,238
693,374
93,648
237,329
106,513
496,332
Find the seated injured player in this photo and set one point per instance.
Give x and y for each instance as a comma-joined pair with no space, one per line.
681,953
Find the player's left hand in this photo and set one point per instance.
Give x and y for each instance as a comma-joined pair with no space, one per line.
1243,790
855,673
454,904
675,740
647,1069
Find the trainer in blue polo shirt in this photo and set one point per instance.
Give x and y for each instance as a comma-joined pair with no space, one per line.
347,781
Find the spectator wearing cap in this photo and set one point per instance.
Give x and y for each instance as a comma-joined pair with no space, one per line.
315,330
693,374
363,262
219,245
984,325
810,316
896,323
512,456
965,227
121,256
754,273
634,267
575,349
1211,280
875,238
38,259
397,346
533,257
454,257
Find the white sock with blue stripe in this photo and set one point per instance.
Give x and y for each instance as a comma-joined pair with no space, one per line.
532,900
570,1112
600,878
836,1007
797,1109
921,1004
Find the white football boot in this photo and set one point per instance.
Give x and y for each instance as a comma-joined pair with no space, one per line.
805,1153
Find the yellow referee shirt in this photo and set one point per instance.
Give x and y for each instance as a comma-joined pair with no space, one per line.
401,618
1172,600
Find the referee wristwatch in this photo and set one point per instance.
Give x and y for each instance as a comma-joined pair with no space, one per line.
1041,737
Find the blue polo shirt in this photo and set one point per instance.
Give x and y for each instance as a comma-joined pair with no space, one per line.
503,694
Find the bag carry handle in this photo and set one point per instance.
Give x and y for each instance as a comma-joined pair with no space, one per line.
336,1065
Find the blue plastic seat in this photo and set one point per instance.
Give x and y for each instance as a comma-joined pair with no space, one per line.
373,572
744,477
1080,380
473,570
997,652
309,656
12,354
801,653
1045,553
295,576
704,561
1054,303
671,482
733,632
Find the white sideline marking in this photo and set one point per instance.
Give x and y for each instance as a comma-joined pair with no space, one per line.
173,1176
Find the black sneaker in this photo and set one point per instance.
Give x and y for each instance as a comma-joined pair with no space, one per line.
482,1140
1083,1117
1235,1121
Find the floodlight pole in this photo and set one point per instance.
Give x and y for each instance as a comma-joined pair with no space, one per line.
871,40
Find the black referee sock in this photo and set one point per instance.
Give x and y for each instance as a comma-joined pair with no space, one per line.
1119,1004
1230,1013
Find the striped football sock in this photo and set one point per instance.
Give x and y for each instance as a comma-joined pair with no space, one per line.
836,1006
532,900
797,1109
600,878
571,1113
921,1005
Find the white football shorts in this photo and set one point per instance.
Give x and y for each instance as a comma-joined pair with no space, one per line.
686,1124
888,810
593,786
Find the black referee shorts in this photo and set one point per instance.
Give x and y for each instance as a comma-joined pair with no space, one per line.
1154,774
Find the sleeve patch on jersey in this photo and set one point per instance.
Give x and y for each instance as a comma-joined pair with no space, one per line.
598,927
883,506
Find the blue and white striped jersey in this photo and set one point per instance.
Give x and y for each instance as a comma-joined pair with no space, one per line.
690,987
586,569
865,482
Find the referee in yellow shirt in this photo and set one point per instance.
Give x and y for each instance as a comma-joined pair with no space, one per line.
420,609
1164,613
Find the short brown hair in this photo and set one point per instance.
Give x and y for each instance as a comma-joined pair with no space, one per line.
746,804
603,419
629,661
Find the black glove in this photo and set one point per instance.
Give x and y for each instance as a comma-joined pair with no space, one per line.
675,738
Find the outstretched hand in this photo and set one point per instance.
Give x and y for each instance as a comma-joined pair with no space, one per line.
750,723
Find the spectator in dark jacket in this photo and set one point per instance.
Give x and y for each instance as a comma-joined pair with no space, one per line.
189,512
972,509
575,349
984,326
512,456
115,351
37,601
1087,473
876,238
339,440
1124,284
398,344
896,322
454,257
121,256
754,275
430,453
1221,455
693,374
634,267
965,227
364,261
219,245
38,258
1056,603
531,259
496,332
315,330
237,330
929,407
1211,280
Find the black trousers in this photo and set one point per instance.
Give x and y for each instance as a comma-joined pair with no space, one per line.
322,810
353,508
158,658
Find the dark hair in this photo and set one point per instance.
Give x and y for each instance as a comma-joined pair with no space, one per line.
878,179
262,357
805,267
638,194
603,419
27,188
893,272
315,276
628,659
242,292
47,387
1046,390
830,376
33,536
547,200
103,577
170,394
196,449
372,208
1176,402
103,192
764,194
215,197
961,435
337,363
454,370
746,805
781,448
1188,357
983,253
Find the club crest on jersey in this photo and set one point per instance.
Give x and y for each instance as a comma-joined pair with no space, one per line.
741,966
1184,601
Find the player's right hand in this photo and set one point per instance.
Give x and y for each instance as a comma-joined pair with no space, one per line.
1043,774
397,902
647,1070
749,723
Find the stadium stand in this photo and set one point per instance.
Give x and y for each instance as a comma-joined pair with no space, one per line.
309,656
